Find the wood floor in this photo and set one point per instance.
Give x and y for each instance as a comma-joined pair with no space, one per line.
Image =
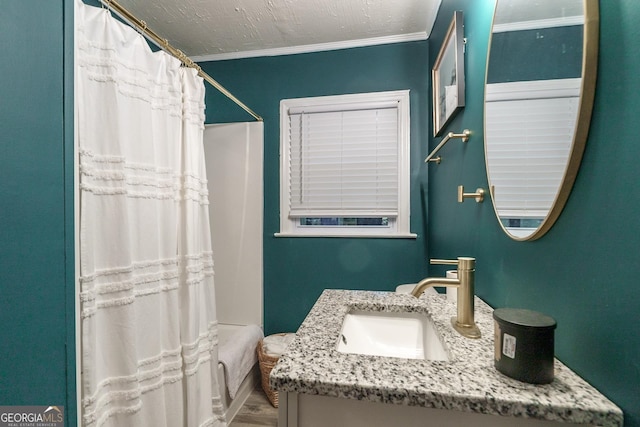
256,411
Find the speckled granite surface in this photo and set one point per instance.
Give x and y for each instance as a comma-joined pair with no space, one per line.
468,382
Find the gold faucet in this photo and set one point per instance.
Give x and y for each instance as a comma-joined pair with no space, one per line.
464,322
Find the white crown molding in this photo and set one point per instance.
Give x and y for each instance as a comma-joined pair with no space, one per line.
539,24
320,47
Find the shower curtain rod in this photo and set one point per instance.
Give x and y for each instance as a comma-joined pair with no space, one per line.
164,45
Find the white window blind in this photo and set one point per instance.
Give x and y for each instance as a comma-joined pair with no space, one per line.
343,162
527,160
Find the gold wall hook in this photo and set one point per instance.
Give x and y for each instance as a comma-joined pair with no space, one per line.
478,195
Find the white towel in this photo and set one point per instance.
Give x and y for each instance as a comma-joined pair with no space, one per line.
275,345
238,355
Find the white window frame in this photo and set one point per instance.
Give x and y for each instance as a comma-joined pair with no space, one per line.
399,227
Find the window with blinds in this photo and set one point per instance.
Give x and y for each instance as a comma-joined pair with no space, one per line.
530,125
345,165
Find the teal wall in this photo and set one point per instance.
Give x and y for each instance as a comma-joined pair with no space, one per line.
584,272
296,270
37,365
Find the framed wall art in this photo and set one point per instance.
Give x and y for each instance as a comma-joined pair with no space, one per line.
447,76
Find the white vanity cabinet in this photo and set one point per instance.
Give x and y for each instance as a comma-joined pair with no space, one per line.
303,410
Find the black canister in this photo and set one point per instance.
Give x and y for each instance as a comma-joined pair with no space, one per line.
524,344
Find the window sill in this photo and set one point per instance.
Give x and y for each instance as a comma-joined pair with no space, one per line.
351,235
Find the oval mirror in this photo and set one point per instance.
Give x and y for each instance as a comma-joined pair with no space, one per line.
539,89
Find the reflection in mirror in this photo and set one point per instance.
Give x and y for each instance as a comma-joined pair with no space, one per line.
538,99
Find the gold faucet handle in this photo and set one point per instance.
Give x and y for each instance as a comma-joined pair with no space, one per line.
444,261
463,263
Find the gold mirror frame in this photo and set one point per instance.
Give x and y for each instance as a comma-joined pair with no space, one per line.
587,92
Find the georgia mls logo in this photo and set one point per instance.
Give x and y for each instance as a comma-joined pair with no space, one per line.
31,416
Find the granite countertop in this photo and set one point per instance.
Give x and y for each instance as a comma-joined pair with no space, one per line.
468,382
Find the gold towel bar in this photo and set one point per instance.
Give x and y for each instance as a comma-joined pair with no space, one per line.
464,136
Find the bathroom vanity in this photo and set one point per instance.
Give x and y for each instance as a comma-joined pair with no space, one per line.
321,386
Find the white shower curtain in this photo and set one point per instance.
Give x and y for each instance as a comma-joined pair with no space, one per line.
148,322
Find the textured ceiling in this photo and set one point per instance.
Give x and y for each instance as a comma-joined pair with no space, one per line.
221,29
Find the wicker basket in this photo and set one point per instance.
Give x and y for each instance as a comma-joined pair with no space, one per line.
266,365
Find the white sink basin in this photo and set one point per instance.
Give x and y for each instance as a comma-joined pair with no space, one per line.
404,335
